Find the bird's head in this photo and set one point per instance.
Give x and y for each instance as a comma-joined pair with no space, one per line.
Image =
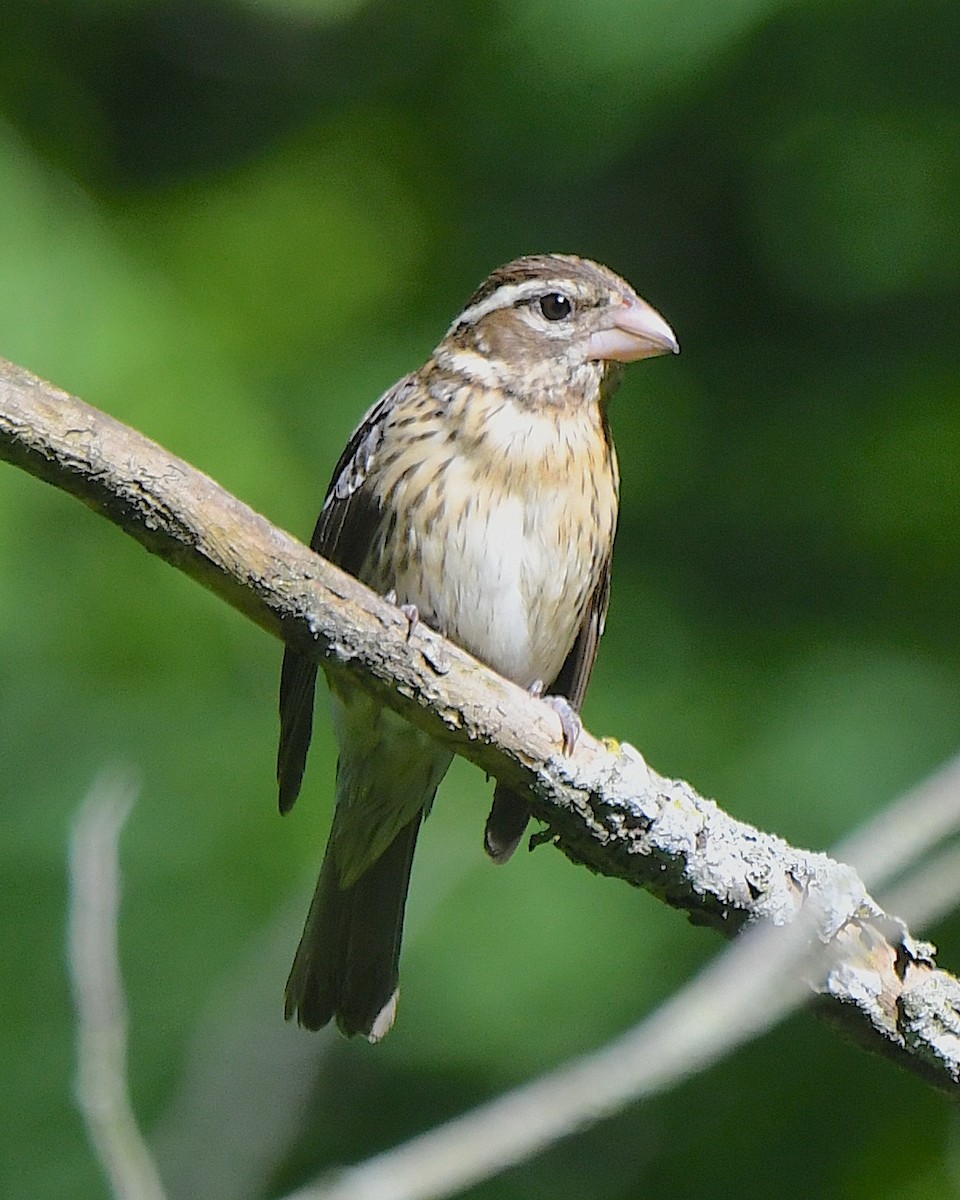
546,321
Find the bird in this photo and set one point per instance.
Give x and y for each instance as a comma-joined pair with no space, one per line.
480,493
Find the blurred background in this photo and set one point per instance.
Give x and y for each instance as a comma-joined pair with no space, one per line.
232,224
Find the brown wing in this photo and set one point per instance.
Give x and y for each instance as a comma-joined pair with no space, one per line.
510,811
344,531
578,666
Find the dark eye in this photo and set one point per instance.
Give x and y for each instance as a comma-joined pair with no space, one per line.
555,306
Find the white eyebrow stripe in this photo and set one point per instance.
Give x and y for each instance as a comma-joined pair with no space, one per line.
506,296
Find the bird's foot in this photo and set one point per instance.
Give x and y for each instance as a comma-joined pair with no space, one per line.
410,611
570,724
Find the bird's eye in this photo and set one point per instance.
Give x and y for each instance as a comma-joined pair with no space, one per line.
555,306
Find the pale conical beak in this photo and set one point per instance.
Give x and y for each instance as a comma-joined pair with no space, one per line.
638,331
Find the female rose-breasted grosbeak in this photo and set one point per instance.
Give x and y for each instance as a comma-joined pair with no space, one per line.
482,491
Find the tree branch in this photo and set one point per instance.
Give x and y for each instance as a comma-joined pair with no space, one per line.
102,1086
604,806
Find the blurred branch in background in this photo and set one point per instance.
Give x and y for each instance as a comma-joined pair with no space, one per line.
604,808
102,1090
898,839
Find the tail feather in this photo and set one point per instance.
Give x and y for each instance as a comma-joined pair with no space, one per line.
506,823
347,964
298,681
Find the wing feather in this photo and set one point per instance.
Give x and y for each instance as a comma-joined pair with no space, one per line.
578,667
344,533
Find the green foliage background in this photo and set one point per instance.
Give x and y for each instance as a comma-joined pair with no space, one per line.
232,224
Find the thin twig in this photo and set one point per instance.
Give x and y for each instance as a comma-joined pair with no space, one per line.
930,893
101,1083
747,989
906,830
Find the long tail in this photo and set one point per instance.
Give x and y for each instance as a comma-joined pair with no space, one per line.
347,964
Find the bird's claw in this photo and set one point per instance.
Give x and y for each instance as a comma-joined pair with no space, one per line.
410,611
570,724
